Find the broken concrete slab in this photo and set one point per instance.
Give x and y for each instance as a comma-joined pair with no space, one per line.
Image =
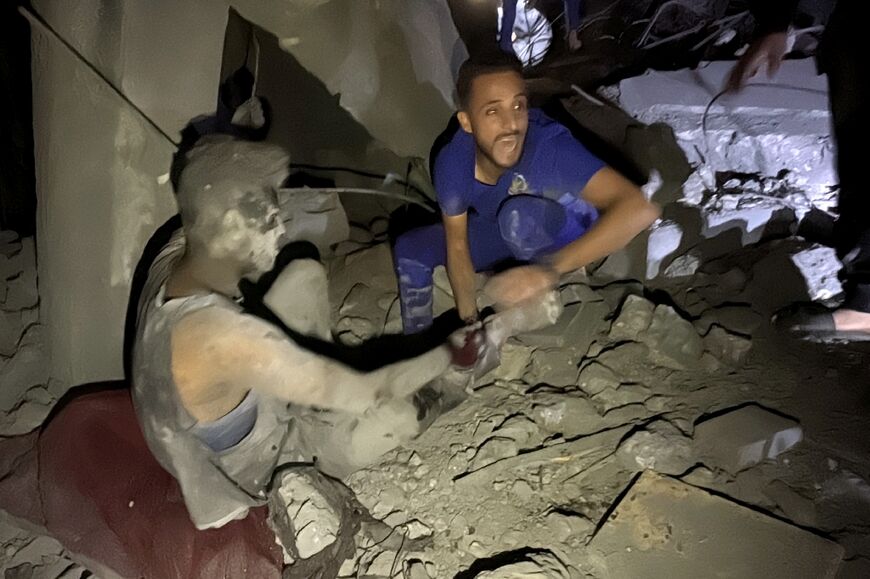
726,346
595,377
552,366
673,340
739,132
659,446
625,394
684,265
575,329
630,360
635,317
737,439
819,267
665,528
514,359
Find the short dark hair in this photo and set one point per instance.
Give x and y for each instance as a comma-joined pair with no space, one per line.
471,69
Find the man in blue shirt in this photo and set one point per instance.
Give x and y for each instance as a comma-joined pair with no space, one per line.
513,185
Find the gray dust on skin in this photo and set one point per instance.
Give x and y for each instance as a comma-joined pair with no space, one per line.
226,197
524,469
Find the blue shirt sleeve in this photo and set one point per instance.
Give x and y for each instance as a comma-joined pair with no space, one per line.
454,174
571,163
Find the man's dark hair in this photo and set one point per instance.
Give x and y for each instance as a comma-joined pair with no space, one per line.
471,69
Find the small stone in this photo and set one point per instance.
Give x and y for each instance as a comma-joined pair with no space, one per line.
660,446
595,377
417,530
673,341
725,346
635,317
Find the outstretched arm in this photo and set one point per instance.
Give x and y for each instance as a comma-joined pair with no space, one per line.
771,44
214,347
625,213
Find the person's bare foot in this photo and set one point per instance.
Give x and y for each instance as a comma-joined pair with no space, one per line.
818,324
851,321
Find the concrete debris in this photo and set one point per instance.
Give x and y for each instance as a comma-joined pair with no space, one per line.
596,377
634,318
665,528
522,430
725,346
741,438
493,450
299,504
626,394
416,570
796,507
761,130
575,329
673,341
683,266
819,267
756,217
552,366
665,239
543,565
717,288
659,446
844,501
776,280
736,319
567,526
630,360
514,360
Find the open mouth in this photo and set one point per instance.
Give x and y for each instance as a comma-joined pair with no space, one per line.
508,144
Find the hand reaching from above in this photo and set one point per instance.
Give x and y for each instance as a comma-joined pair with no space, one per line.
766,52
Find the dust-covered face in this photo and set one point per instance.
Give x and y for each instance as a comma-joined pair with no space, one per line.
251,233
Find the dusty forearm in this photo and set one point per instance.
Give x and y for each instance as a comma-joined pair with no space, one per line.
406,377
460,272
613,231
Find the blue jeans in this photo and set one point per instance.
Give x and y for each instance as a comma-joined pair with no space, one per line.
527,229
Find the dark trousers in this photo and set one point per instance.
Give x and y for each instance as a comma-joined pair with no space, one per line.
841,56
